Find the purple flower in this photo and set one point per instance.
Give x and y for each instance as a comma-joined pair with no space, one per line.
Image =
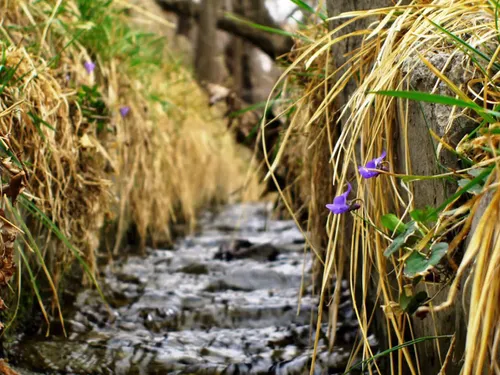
89,66
367,171
124,110
340,205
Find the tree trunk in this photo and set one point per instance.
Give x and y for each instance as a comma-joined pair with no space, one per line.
235,50
206,66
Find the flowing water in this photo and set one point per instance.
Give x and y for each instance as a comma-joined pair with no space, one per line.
223,301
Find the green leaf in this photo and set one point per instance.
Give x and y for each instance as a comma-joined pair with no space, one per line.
401,240
393,223
417,263
423,215
475,190
438,251
418,300
476,171
416,280
404,301
418,215
410,304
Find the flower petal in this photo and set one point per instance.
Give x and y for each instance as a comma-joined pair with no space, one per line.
371,164
340,200
365,173
338,208
89,66
124,110
349,188
340,205
379,159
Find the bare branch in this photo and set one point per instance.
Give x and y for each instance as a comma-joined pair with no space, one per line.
272,44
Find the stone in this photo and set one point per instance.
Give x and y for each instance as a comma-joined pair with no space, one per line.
240,249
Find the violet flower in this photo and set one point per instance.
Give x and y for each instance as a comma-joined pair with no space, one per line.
340,204
367,171
89,66
124,110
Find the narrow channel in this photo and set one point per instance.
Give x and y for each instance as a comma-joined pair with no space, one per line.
222,301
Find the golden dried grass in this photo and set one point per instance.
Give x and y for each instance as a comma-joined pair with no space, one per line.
177,162
385,61
87,165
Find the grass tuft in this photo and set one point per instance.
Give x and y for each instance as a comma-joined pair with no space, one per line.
348,110
86,168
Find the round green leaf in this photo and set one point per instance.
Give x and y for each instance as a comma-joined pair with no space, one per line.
417,263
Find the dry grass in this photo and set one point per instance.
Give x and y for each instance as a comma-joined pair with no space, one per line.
167,158
87,165
401,39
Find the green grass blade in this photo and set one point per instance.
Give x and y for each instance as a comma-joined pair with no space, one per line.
34,246
395,348
497,7
438,99
429,98
10,73
476,180
411,178
256,106
306,7
19,288
35,287
53,228
58,55
267,29
465,44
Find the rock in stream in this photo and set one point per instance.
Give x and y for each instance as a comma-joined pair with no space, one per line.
223,301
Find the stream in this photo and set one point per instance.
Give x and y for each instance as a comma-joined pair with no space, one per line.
222,301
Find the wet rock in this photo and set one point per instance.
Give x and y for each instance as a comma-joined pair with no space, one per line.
195,269
248,278
241,249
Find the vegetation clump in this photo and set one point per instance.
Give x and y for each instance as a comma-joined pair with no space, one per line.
421,83
100,129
